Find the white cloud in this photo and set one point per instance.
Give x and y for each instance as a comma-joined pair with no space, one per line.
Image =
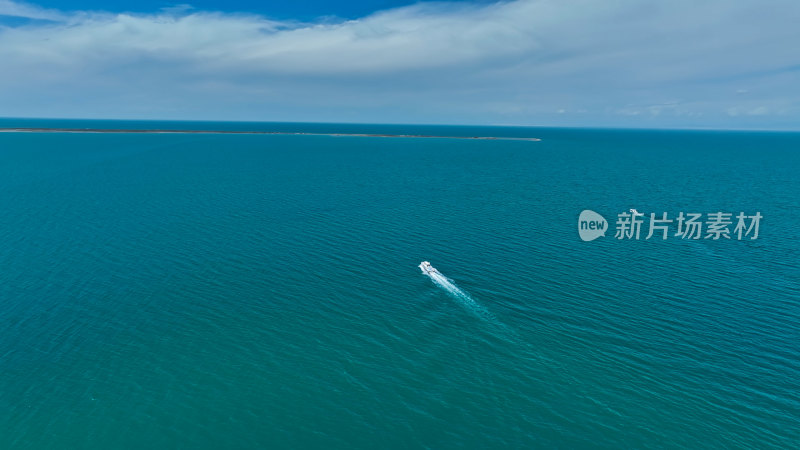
748,111
27,11
414,37
512,61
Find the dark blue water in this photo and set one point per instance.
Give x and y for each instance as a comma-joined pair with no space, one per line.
257,291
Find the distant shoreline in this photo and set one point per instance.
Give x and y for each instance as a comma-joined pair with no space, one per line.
283,133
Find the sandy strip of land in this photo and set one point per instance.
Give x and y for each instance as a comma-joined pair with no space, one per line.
282,133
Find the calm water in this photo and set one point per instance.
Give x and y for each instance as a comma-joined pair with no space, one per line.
244,291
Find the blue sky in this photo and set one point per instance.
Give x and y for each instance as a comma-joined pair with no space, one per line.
730,64
295,9
287,9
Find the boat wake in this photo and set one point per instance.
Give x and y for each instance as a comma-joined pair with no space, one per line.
450,287
500,330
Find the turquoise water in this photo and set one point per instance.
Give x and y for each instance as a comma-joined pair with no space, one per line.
252,291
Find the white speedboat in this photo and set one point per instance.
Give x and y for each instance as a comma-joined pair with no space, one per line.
427,268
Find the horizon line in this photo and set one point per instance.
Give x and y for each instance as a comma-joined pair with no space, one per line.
496,125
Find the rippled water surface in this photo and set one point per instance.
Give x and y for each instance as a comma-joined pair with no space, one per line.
257,291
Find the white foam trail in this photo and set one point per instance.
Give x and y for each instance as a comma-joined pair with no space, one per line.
464,298
502,331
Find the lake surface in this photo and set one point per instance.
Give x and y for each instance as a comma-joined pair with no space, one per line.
262,291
